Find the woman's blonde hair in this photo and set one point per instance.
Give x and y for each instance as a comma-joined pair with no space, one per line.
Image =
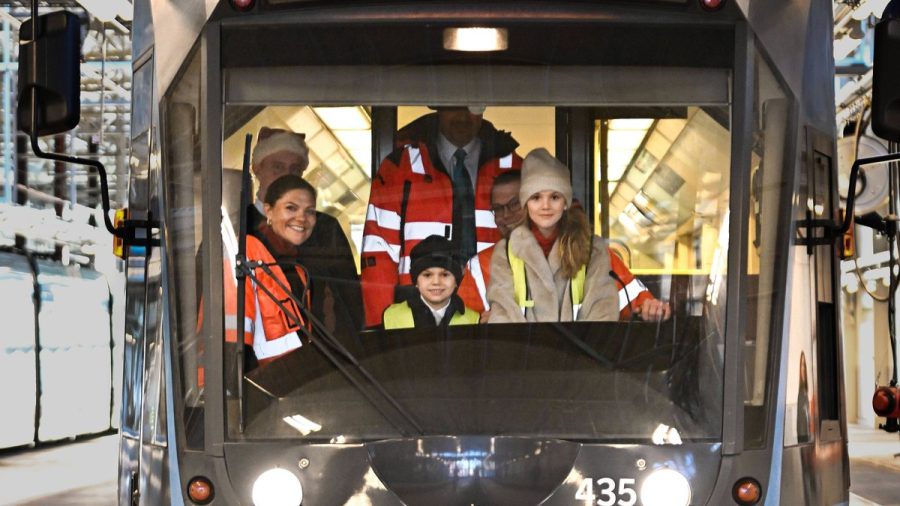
574,239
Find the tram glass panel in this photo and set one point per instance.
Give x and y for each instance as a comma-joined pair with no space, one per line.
516,379
614,381
767,242
184,196
667,174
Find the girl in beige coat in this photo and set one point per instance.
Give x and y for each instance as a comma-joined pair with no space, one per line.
554,242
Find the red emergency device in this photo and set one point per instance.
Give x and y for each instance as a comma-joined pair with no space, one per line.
886,402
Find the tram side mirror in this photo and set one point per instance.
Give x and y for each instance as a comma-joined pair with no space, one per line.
56,75
886,75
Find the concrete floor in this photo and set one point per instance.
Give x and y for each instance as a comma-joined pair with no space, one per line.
84,472
68,473
874,466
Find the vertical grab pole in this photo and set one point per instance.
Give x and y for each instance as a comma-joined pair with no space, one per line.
240,275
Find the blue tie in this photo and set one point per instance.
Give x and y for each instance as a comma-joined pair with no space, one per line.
463,206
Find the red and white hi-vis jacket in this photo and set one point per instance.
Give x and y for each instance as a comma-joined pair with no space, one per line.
473,289
412,198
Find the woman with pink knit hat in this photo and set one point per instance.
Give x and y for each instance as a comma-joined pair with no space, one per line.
552,268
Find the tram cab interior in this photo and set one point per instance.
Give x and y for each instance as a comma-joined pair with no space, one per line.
667,168
680,155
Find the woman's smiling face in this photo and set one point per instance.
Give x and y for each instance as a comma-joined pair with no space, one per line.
293,216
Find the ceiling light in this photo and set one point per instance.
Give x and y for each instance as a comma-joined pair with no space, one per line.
476,39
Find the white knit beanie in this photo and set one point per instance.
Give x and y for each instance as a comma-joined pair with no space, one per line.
272,140
542,171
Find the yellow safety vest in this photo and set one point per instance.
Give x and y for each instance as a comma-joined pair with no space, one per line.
400,316
520,284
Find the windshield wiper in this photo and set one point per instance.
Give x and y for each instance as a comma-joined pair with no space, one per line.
331,341
580,344
240,287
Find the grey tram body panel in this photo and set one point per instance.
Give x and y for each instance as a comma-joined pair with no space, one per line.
792,38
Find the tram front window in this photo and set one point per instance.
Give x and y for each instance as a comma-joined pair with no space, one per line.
645,142
621,380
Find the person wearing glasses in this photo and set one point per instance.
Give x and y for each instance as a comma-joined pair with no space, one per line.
507,212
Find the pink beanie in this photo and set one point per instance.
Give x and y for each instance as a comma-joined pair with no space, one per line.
542,171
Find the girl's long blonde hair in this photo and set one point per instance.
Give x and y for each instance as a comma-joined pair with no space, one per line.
574,239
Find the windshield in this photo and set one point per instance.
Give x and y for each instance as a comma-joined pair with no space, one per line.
475,248
630,377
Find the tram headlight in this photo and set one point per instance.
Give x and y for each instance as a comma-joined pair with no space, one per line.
277,487
666,487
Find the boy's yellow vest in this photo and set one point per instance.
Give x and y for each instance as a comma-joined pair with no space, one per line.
400,316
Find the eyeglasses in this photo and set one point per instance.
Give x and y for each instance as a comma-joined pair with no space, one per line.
508,208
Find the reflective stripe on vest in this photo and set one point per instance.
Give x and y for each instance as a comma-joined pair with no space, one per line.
520,284
477,274
229,251
400,316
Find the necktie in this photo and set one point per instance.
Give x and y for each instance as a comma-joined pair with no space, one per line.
463,206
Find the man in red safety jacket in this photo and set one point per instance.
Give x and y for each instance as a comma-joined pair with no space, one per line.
509,212
437,182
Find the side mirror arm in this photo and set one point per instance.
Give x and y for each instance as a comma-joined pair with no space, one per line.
840,229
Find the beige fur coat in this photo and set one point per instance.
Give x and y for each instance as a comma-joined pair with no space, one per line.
548,288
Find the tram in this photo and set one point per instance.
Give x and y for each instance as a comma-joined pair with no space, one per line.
701,141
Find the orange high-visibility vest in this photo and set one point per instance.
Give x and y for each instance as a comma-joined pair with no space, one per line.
274,332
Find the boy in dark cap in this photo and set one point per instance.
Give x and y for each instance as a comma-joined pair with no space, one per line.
436,272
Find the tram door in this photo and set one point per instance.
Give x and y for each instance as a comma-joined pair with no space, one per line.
135,296
142,454
820,169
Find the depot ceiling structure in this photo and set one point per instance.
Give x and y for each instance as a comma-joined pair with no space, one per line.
105,107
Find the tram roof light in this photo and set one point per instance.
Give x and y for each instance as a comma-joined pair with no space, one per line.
476,39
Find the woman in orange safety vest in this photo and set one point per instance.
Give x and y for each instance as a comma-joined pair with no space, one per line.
277,323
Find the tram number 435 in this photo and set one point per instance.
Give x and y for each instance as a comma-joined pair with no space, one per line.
604,492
